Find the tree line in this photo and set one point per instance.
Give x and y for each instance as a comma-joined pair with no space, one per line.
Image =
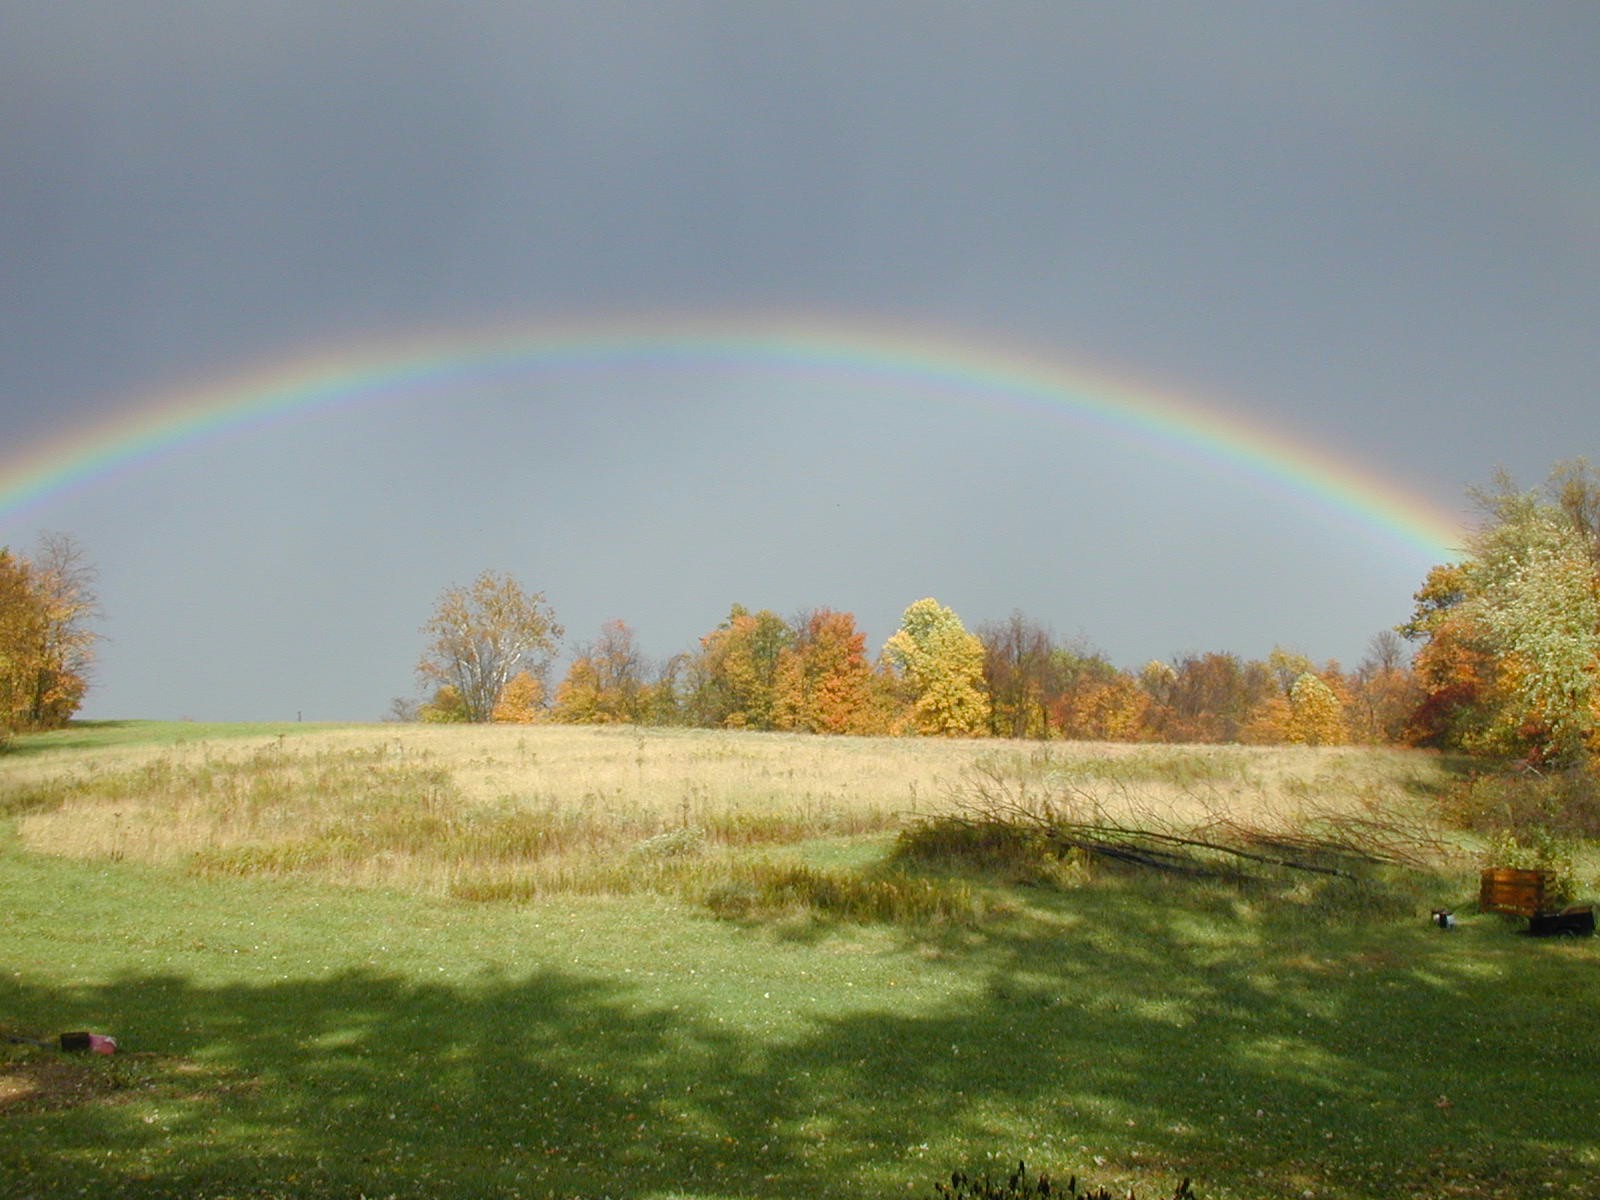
47,640
1506,663
491,645
1507,660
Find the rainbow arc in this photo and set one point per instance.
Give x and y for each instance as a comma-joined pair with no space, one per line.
949,368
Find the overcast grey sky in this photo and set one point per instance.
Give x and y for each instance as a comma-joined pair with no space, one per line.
1371,228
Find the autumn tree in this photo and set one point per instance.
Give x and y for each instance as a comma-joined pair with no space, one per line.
444,708
1510,661
520,702
1204,697
482,636
1383,691
1019,662
735,675
824,681
1083,696
1535,587
606,682
1101,704
1456,671
47,641
662,701
21,630
1316,715
942,666
64,580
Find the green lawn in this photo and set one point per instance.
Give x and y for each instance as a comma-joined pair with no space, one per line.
291,1038
100,735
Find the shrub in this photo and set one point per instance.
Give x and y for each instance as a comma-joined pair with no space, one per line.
1020,851
685,841
1564,804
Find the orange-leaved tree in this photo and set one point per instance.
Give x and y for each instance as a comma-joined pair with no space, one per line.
46,640
521,701
824,682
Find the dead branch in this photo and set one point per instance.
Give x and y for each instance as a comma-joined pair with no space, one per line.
1072,817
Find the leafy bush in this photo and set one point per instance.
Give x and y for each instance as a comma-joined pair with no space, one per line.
1565,804
685,841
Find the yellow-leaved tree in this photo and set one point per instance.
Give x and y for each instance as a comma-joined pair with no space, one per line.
606,682
942,666
1316,716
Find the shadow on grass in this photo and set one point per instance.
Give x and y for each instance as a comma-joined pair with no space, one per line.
1157,1038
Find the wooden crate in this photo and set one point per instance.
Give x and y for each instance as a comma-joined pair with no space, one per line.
1511,890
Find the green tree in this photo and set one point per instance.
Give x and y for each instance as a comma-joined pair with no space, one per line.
942,665
481,636
1511,657
1536,590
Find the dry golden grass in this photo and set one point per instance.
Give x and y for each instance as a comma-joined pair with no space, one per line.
496,811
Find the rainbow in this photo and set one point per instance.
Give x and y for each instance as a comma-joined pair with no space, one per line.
949,368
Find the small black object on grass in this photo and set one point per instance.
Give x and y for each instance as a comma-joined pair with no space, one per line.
79,1042
1576,921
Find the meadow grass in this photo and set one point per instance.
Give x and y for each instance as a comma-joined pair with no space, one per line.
342,1030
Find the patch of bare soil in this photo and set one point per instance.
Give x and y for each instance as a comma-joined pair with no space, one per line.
36,1081
48,1082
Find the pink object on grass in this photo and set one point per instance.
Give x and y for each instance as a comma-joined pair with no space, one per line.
100,1044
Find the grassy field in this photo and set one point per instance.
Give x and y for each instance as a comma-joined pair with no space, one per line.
402,961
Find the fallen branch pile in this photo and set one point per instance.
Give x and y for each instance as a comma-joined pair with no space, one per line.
1071,819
